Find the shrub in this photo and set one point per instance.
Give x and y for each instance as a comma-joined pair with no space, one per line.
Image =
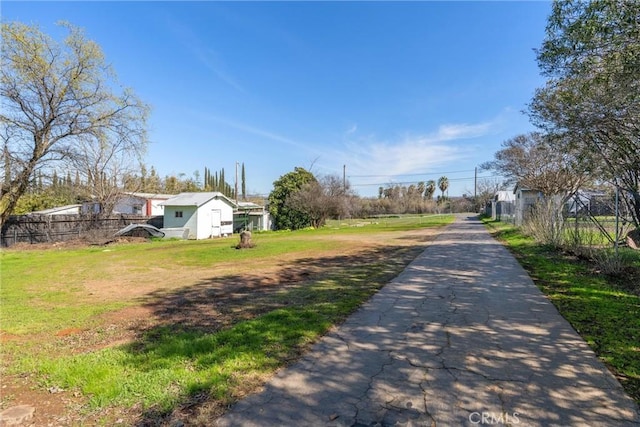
611,262
545,223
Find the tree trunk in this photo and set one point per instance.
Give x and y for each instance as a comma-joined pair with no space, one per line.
9,200
245,240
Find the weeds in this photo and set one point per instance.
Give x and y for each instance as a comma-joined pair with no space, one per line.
545,223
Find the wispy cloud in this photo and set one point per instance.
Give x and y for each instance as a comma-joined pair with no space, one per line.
206,56
352,129
450,132
410,154
210,60
267,134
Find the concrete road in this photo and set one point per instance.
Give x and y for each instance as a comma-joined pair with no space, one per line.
461,338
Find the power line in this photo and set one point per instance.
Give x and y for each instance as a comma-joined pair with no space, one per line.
415,182
410,174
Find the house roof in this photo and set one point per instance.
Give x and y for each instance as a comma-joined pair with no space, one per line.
57,209
505,196
158,196
196,199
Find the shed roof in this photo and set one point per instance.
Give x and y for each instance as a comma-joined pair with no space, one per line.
249,205
197,199
505,196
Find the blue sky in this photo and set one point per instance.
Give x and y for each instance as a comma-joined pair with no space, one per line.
397,92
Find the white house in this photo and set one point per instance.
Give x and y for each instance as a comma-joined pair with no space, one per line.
198,215
148,204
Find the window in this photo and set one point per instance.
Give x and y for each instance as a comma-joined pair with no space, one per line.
178,214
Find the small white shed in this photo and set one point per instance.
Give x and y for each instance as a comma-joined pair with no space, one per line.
503,205
198,215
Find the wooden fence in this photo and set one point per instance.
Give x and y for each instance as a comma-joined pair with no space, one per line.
59,228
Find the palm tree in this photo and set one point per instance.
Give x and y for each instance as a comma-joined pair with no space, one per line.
430,189
443,184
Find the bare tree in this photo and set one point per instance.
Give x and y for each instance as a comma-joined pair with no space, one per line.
549,165
101,164
321,199
540,163
58,99
486,190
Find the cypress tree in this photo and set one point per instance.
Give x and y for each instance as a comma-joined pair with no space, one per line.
244,184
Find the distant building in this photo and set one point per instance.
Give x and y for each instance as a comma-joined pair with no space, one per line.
592,202
146,204
525,199
60,210
503,206
251,216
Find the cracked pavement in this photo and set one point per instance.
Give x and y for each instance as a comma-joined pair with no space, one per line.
462,337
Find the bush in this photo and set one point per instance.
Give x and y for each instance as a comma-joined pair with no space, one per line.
611,262
545,223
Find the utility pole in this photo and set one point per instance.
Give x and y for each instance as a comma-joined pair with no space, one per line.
344,178
475,189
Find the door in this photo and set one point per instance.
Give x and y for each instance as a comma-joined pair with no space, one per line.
216,218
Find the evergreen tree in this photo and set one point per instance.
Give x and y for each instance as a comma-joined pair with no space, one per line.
244,184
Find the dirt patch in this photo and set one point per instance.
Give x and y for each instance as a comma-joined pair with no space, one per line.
75,243
68,331
214,298
6,337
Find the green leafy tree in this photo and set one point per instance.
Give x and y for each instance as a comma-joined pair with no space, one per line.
591,56
57,99
284,215
153,184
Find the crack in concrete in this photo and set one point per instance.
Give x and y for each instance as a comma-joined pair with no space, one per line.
480,374
426,406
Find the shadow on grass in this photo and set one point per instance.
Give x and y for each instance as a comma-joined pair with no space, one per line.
592,302
222,335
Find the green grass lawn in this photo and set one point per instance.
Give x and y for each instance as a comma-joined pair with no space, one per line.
177,363
604,310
